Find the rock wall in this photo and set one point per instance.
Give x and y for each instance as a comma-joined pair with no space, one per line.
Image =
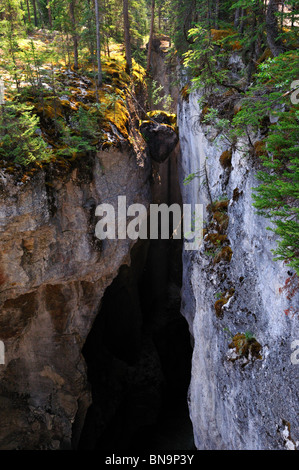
164,71
53,275
243,392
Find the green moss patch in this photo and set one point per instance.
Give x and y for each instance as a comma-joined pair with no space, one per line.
246,346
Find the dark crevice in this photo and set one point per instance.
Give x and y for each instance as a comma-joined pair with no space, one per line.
138,355
138,352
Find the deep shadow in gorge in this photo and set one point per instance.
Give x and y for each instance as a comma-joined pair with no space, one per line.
138,355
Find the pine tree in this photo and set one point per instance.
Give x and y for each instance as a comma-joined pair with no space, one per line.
127,34
99,63
20,141
150,42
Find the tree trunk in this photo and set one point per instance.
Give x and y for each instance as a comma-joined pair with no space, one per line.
217,14
282,14
159,16
127,34
91,42
49,13
241,21
100,78
237,18
68,49
209,15
23,15
251,65
150,42
74,33
274,42
35,13
28,11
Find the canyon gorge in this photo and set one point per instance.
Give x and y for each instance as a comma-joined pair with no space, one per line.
140,344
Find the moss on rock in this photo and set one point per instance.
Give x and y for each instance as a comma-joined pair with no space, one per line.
226,159
246,346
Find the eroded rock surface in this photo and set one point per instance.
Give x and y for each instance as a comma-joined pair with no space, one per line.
232,290
161,139
53,274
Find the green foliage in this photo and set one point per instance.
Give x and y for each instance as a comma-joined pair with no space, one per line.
111,100
84,134
191,177
202,59
10,31
269,96
263,96
158,97
277,195
218,295
20,141
212,117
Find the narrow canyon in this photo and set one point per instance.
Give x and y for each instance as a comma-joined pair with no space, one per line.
142,344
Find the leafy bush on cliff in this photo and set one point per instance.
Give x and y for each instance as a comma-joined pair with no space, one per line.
20,139
267,108
277,196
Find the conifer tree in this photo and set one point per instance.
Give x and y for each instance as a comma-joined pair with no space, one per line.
99,78
19,140
127,34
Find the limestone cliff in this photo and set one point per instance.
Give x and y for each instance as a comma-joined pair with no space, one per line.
243,392
53,274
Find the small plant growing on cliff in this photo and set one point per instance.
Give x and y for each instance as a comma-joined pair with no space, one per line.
20,141
191,177
218,295
197,174
222,299
112,99
229,333
244,346
158,96
211,117
290,289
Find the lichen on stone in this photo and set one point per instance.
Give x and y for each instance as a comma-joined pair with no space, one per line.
245,346
162,117
185,92
226,159
225,254
225,297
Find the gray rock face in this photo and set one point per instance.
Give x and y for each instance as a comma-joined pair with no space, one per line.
236,400
53,274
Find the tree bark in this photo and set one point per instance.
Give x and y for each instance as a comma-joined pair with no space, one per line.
237,18
275,44
49,13
23,11
241,21
28,11
150,42
217,14
74,33
127,34
35,13
91,39
100,78
209,15
159,16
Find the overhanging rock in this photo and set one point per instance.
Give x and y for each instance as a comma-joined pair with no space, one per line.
161,139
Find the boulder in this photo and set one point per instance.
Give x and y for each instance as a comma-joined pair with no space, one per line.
161,139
